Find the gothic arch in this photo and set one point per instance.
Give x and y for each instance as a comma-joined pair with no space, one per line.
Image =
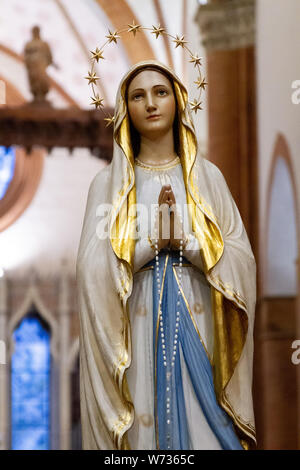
33,297
280,151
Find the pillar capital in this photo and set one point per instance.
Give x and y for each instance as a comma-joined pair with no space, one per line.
227,24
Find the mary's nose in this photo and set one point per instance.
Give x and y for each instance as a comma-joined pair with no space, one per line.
150,104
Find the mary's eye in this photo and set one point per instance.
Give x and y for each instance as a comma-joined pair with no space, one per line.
137,97
162,92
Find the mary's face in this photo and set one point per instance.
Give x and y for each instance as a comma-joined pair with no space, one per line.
151,103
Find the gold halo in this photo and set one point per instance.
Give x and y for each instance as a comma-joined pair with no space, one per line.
113,37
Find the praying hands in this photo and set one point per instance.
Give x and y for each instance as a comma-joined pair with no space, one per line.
170,228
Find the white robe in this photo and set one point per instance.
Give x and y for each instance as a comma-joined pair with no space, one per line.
149,181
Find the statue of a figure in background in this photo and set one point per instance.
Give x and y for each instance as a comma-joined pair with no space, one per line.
37,58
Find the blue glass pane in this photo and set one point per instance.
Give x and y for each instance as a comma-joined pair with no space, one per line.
30,386
7,168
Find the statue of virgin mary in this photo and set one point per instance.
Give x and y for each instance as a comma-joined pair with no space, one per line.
166,336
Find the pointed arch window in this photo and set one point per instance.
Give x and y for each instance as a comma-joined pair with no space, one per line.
30,384
282,233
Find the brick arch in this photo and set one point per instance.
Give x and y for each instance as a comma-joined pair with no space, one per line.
120,14
27,174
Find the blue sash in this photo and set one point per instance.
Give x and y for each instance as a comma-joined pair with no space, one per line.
171,426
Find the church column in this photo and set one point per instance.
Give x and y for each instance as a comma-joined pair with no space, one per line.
4,376
228,34
64,376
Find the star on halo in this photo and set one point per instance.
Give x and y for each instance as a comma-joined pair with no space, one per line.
92,77
179,41
97,54
201,83
97,101
157,30
195,60
112,37
195,105
109,120
133,28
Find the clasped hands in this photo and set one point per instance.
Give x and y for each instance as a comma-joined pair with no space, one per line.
169,222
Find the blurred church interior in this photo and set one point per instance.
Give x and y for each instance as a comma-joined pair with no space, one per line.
52,143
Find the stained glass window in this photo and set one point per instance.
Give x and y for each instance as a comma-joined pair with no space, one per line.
30,381
7,168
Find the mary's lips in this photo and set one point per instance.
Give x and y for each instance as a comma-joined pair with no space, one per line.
153,116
